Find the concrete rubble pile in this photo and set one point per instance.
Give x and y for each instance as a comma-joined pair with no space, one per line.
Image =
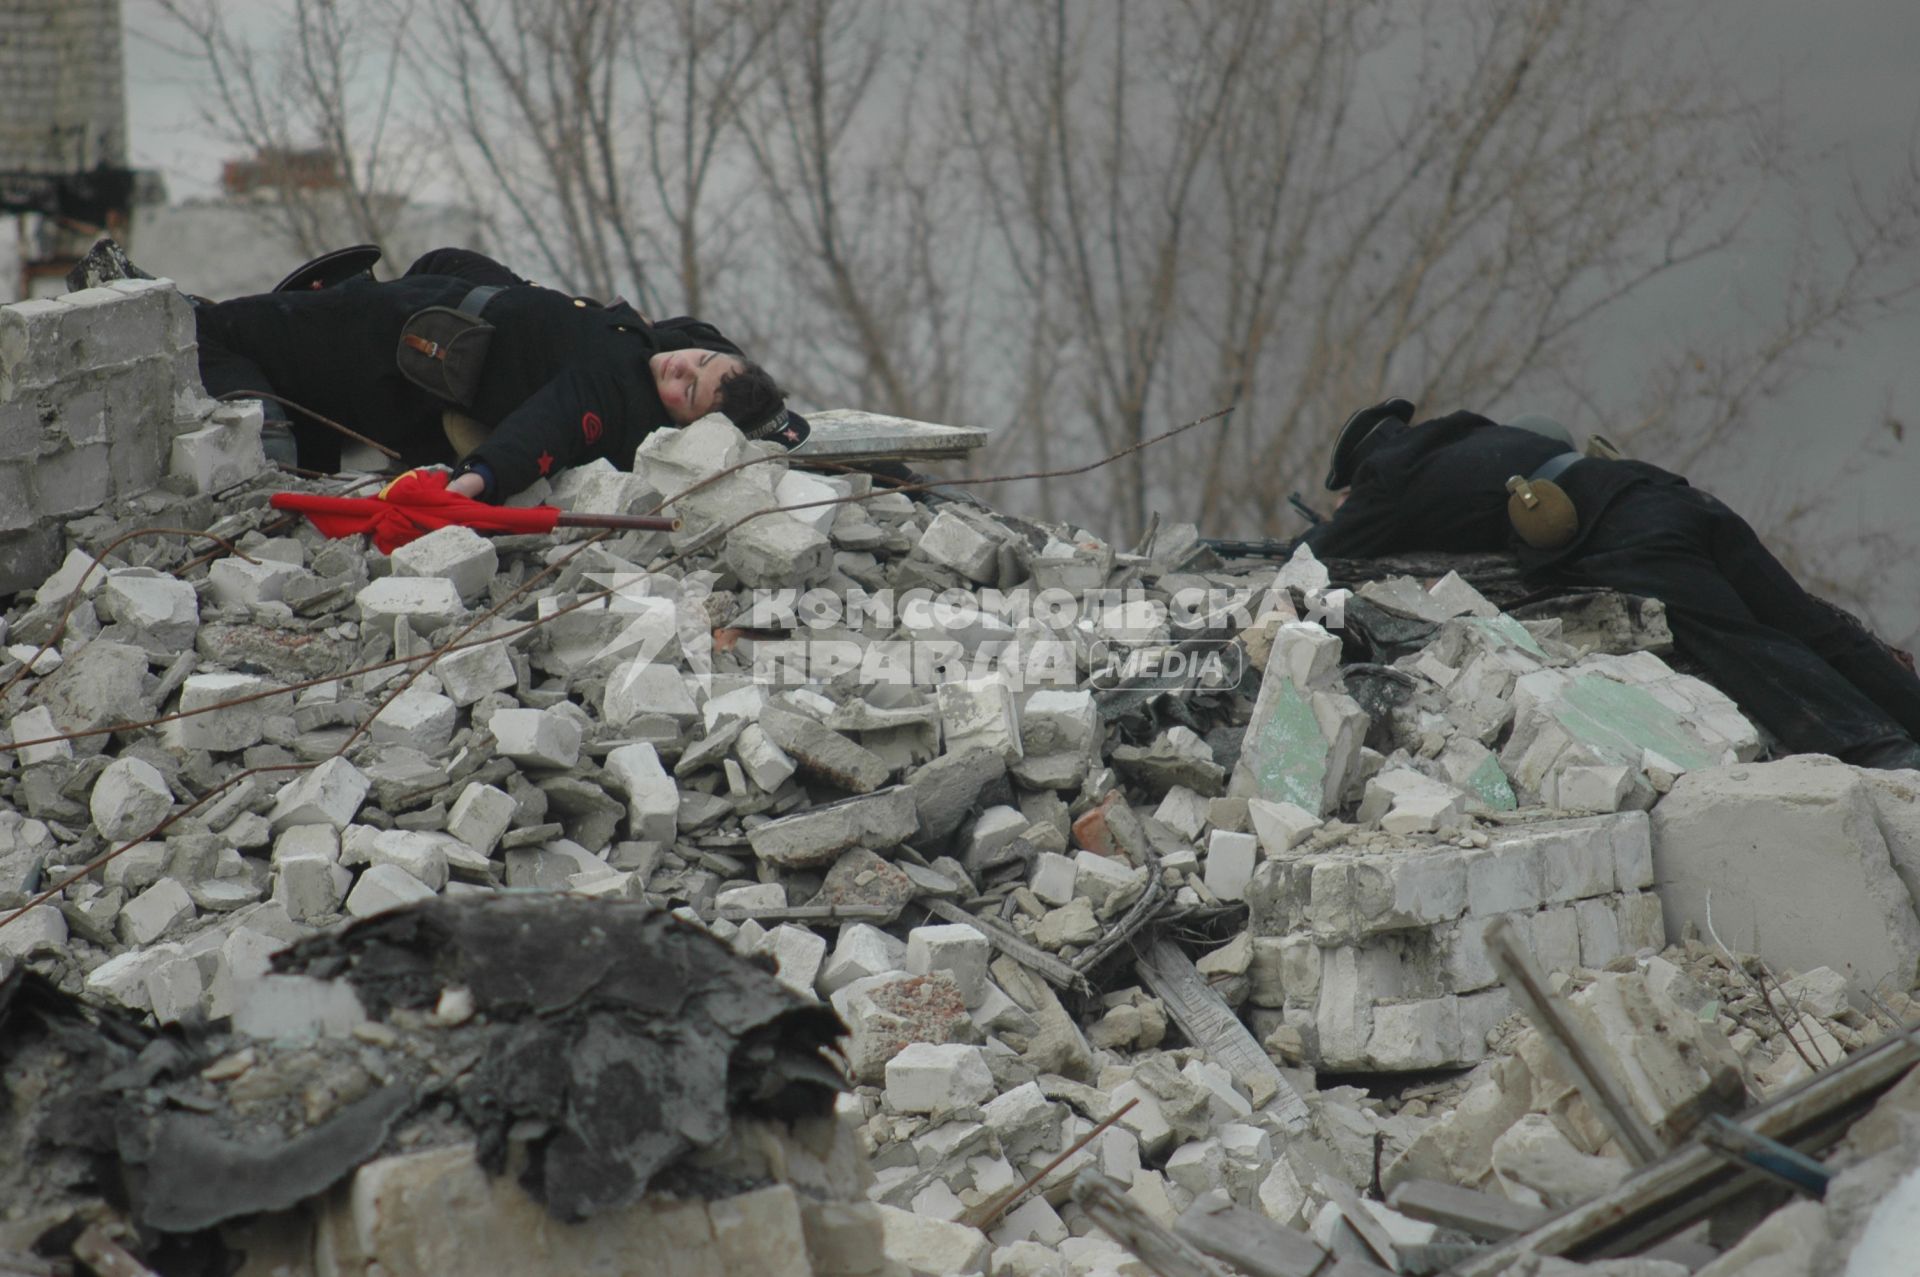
954,827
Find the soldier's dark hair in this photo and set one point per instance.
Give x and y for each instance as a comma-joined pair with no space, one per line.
750,397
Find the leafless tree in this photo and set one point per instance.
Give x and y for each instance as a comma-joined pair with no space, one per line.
1299,209
329,83
596,127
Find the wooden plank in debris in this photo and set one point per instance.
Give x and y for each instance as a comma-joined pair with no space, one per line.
1210,1024
1464,1210
1692,1182
1038,961
1570,1043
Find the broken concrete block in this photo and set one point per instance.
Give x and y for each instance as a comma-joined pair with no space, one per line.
480,816
1280,826
819,751
1506,877
641,687
1306,654
162,607
1402,801
40,927
219,455
1100,879
653,797
129,798
930,1247
437,1212
996,831
154,912
1454,597
797,954
946,790
776,550
238,583
765,763
455,554
953,542
929,1078
959,950
470,673
1798,869
1593,788
1300,746
225,730
310,884
425,603
1407,890
1230,861
1673,1069
1024,1120
384,887
1415,1035
980,713
418,719
1057,722
537,737
36,723
886,1013
1184,811
1072,924
175,988
861,951
420,854
1053,878
861,877
817,836
330,794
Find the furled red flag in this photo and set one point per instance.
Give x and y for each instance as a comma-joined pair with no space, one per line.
411,506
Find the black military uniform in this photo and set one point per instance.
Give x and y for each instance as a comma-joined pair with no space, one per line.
565,380
1807,672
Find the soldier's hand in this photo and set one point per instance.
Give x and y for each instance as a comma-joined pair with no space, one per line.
468,485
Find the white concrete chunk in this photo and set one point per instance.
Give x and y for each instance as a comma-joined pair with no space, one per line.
538,737
129,798
928,1078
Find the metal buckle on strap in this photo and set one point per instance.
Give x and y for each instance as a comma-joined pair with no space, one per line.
1553,467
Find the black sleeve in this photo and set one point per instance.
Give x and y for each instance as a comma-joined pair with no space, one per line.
464,263
1366,525
573,419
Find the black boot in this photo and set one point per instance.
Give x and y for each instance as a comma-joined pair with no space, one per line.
105,261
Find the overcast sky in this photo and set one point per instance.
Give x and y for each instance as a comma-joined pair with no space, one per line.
1846,73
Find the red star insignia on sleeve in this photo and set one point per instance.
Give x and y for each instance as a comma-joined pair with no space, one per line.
546,463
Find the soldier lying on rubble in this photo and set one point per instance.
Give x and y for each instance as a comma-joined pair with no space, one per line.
543,381
1807,672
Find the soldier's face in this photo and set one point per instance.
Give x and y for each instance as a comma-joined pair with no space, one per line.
689,381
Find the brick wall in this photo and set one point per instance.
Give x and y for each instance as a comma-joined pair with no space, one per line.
63,107
95,387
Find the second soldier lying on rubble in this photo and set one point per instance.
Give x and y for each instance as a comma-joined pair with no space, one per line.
1802,669
461,362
